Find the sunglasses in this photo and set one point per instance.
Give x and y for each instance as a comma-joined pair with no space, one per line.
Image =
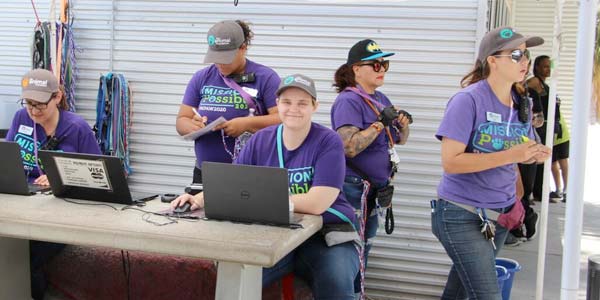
517,55
376,64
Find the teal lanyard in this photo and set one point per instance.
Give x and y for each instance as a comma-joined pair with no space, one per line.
281,165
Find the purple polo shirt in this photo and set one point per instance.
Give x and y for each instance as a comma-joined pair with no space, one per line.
72,130
319,161
351,109
477,118
208,93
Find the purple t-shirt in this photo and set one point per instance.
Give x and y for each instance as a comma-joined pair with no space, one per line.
319,161
350,109
208,93
477,118
72,131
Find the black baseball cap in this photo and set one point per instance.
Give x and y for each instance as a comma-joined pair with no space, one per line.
365,50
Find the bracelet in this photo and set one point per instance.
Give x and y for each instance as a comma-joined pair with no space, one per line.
376,126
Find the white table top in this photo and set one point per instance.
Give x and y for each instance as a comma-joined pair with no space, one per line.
43,217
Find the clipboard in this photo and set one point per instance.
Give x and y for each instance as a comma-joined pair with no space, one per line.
204,130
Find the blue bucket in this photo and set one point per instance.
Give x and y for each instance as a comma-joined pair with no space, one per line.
512,266
503,275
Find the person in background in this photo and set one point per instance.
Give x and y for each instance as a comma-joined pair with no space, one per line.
370,127
233,87
485,132
328,267
560,150
45,123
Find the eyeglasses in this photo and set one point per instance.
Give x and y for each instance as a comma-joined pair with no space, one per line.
376,64
31,105
517,55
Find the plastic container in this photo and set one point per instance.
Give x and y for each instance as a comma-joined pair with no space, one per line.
503,275
512,266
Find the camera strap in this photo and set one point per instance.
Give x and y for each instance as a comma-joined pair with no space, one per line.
249,99
372,103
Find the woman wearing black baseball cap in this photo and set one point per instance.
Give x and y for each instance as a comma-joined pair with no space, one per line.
486,130
369,127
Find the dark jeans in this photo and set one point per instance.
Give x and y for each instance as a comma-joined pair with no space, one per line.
528,177
473,273
41,253
329,271
353,189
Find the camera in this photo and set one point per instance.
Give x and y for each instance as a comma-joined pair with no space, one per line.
389,114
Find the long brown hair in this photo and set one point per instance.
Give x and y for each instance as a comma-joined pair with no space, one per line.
479,72
343,78
63,104
248,34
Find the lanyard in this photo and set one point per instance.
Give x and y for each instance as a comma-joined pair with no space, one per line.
282,165
369,100
249,100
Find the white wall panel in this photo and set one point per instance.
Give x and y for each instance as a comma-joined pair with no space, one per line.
158,45
537,17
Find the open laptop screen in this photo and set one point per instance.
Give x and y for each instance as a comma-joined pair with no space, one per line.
86,176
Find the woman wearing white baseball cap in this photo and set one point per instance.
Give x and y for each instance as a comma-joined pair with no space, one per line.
486,130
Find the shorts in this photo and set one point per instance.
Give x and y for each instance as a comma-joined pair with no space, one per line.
560,151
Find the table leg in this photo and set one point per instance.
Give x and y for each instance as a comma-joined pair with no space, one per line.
14,269
238,281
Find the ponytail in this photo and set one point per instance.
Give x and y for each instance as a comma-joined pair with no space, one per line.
479,72
343,78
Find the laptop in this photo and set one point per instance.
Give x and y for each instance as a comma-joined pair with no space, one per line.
89,177
13,179
243,193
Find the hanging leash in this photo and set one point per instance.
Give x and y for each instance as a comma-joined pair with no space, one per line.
113,117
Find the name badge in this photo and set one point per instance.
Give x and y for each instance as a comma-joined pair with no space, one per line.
252,92
24,129
494,117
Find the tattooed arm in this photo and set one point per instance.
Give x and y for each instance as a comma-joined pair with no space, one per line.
356,140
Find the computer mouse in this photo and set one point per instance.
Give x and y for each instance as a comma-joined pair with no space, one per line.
183,208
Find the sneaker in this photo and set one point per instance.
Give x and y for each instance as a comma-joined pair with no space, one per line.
564,196
555,197
518,232
531,224
512,241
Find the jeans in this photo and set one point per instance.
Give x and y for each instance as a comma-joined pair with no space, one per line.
353,189
473,273
329,271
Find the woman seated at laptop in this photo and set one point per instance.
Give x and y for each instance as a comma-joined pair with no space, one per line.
233,87
314,157
45,123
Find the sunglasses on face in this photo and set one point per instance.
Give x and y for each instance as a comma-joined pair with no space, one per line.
378,64
517,55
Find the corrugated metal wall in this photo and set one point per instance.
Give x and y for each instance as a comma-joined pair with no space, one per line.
537,17
159,44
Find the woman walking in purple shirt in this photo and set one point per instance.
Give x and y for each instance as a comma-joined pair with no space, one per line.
315,152
233,87
485,132
370,127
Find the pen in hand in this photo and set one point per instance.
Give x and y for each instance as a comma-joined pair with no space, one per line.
199,118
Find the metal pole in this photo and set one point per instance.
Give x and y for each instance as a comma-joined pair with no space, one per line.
581,105
555,56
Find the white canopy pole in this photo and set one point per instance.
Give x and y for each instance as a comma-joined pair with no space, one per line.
581,105
543,230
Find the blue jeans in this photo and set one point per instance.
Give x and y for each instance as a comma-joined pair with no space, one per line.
329,271
353,189
473,273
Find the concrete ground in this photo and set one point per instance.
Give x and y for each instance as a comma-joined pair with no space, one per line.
524,286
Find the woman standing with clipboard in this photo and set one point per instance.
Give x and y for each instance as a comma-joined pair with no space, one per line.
233,87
